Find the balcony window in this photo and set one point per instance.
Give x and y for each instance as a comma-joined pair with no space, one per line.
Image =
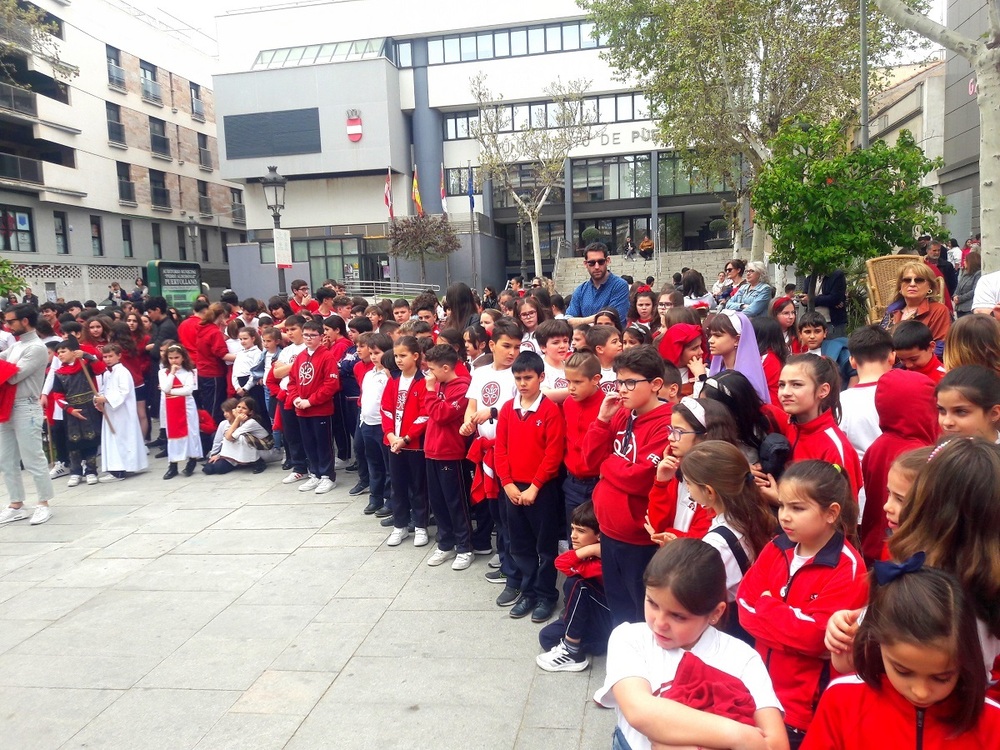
96,238
62,239
205,158
18,100
116,76
239,213
205,205
20,168
159,144
151,91
126,191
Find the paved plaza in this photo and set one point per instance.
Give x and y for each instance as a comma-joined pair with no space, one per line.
234,612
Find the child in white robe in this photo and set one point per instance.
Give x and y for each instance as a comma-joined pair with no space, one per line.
122,447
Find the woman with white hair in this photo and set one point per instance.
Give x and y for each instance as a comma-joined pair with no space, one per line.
754,297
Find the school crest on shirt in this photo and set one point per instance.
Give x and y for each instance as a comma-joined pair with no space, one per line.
306,373
609,386
625,445
491,393
400,401
561,383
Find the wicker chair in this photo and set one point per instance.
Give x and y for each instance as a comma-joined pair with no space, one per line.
882,275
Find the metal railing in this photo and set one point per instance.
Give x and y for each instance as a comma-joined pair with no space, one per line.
159,144
126,191
239,213
151,91
377,290
205,157
116,132
116,75
20,168
18,100
205,205
159,196
198,108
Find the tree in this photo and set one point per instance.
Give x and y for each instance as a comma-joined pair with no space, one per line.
528,160
984,57
723,75
9,280
825,204
26,28
422,238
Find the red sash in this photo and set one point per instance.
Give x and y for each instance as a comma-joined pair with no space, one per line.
177,423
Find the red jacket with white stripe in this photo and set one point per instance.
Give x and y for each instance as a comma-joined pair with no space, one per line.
933,369
823,440
414,421
316,378
787,614
686,519
445,410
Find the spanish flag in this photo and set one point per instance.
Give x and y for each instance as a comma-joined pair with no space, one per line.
416,193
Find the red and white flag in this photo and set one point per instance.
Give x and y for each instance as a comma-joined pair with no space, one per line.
387,199
444,194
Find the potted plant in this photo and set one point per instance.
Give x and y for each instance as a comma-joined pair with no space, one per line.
588,235
719,226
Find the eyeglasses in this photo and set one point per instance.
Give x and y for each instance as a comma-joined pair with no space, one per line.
631,383
8,321
312,335
676,433
913,280
536,286
598,262
664,304
529,313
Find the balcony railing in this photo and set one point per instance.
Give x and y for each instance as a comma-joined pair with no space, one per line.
116,75
159,144
20,168
159,196
198,109
126,191
205,205
116,132
151,91
239,213
205,157
18,100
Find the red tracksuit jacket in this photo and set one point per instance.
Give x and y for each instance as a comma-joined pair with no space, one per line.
570,564
529,447
693,520
414,420
790,623
580,417
445,410
823,440
316,378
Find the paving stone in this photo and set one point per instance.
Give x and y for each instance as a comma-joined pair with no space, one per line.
283,692
243,731
254,541
45,718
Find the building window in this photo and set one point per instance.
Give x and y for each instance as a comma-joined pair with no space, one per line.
224,241
404,55
611,178
158,193
158,141
204,152
127,238
96,240
182,252
126,188
522,176
457,181
203,235
62,236
197,105
116,73
150,86
675,178
16,229
116,130
516,42
239,211
157,242
204,201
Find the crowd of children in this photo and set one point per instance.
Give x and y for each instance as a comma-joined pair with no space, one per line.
714,491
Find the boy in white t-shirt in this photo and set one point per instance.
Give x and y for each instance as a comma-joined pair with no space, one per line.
553,336
492,386
606,343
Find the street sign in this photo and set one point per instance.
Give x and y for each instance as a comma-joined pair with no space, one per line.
282,248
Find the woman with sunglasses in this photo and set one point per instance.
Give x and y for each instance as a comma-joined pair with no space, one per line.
734,280
916,299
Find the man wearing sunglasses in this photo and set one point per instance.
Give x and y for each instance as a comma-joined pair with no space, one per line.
603,289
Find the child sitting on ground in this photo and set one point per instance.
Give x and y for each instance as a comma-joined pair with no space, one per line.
243,437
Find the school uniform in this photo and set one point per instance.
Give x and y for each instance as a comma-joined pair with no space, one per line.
376,454
315,377
933,369
671,508
358,371
290,429
403,415
445,449
586,617
822,439
529,449
581,476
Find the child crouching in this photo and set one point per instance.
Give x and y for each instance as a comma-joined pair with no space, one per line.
240,438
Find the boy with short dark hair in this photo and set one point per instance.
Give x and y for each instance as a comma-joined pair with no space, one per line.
812,330
627,441
872,357
914,345
553,337
530,445
73,391
583,384
445,402
391,329
586,623
606,343
401,311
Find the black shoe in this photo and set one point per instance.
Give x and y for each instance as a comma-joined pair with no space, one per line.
171,471
542,612
259,466
352,467
161,454
432,521
372,507
286,466
411,528
508,596
189,467
523,607
388,521
384,512
158,443
359,489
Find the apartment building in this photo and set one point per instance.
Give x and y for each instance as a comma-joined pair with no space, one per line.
109,159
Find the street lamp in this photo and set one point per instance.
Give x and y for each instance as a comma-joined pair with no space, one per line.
192,230
274,195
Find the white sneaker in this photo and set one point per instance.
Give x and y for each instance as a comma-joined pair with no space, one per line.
340,464
92,479
41,515
294,477
325,485
59,470
396,537
310,484
559,660
440,556
74,481
420,538
462,561
108,477
8,514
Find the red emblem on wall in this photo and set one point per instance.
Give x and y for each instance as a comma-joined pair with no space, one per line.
354,125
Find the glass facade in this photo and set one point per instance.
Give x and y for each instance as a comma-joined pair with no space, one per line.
611,178
550,235
331,258
568,36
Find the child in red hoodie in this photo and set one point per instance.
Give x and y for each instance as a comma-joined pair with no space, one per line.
914,345
583,383
445,403
627,442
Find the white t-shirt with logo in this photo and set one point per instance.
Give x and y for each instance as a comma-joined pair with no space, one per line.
286,357
609,380
491,389
554,378
404,387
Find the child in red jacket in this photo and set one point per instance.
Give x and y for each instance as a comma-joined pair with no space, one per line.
531,438
403,422
799,580
583,378
445,403
312,383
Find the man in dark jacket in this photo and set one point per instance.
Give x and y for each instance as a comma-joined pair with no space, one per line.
936,257
831,294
